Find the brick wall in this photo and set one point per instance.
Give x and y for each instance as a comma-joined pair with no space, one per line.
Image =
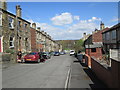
97,54
110,76
97,37
115,70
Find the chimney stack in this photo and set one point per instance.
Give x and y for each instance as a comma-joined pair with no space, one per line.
3,4
84,34
34,25
96,30
18,11
42,32
45,33
102,26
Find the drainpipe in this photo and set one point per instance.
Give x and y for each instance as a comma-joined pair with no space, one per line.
16,43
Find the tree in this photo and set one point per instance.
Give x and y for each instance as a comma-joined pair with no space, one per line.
79,45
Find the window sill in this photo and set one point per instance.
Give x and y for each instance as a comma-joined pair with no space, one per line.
11,47
11,28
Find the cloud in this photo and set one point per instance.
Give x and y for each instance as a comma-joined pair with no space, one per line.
72,31
54,32
115,19
77,30
76,18
83,26
62,19
94,19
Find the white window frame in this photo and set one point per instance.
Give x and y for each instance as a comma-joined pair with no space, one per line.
11,42
25,25
12,23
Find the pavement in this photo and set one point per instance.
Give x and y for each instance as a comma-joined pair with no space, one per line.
83,77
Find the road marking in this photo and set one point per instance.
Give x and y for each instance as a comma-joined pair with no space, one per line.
68,79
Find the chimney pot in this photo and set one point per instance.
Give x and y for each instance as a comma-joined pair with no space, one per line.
38,28
34,25
84,34
102,26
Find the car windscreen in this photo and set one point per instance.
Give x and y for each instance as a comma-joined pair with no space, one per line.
56,52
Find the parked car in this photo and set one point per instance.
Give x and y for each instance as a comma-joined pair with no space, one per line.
75,54
62,53
42,56
72,52
52,53
48,55
32,57
56,54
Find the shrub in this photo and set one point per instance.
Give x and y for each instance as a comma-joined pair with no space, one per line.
11,51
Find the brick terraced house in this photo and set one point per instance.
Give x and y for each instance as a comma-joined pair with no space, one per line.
94,45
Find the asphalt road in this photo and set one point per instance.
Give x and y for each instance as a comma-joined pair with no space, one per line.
58,72
50,74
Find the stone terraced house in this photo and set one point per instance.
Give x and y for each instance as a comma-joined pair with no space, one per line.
15,31
17,34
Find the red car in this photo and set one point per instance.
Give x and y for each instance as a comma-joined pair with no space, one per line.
33,56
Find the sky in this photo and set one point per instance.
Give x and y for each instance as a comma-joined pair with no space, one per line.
68,20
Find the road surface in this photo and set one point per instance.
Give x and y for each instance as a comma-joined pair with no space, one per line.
58,72
50,74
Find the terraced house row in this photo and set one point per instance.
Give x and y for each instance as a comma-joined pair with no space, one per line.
16,34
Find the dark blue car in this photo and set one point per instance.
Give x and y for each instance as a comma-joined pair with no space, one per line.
56,54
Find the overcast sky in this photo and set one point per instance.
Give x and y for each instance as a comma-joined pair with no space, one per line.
68,20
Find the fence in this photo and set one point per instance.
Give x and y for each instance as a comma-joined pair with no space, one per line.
109,75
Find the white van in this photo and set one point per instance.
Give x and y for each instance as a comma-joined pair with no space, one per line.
72,52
